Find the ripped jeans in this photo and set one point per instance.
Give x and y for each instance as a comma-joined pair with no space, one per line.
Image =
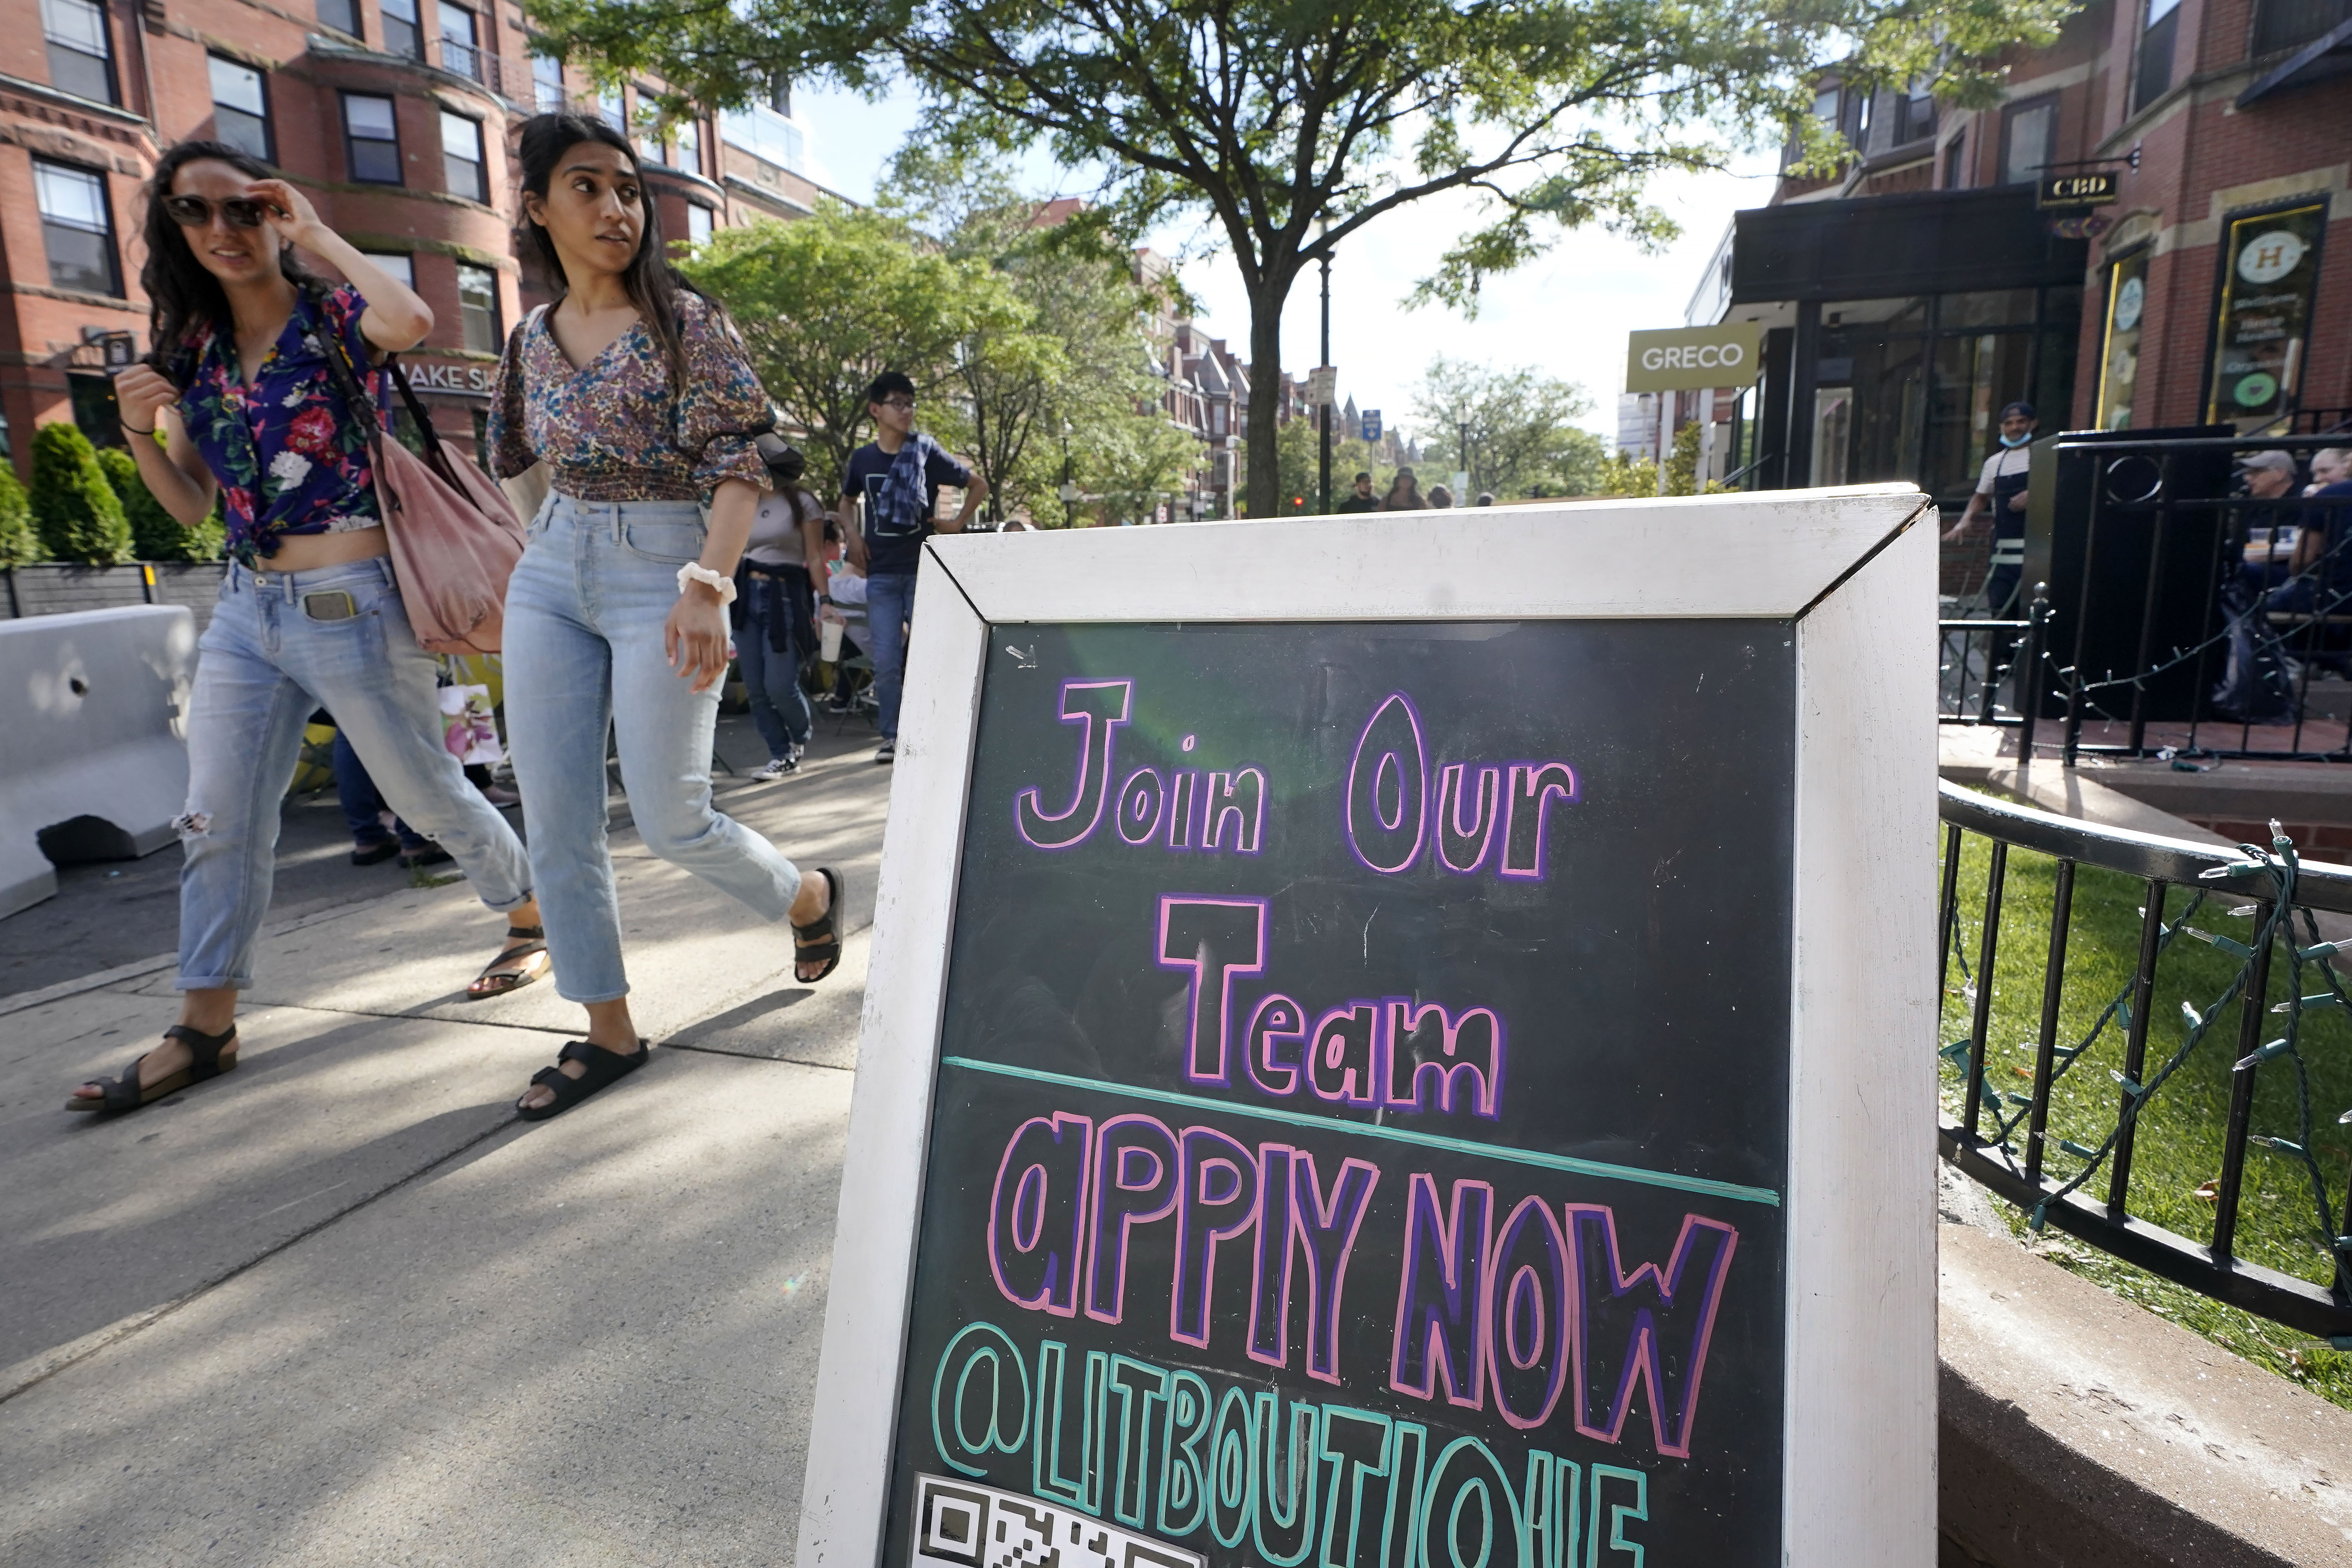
264,663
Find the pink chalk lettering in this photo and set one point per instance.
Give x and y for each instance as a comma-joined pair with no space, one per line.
1183,806
1342,1051
1534,786
1441,1318
1650,1326
1388,788
1214,940
1270,1324
1270,1046
1132,1182
1217,1201
1237,800
1037,1218
1326,1227
1439,1060
1528,1302
1140,799
1459,847
1100,707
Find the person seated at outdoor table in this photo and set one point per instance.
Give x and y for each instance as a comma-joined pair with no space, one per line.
2318,578
2278,556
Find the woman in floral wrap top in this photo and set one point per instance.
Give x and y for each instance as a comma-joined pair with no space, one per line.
634,392
237,404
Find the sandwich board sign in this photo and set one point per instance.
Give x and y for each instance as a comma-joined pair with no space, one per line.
1377,1069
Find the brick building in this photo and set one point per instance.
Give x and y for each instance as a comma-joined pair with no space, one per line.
1909,297
392,115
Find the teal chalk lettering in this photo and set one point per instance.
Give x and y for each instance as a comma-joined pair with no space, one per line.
1469,1516
1232,1483
1055,1445
1183,1472
1138,1387
981,1356
1617,1514
1356,1445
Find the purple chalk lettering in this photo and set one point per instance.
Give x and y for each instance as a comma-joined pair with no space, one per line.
1132,1182
1650,1326
1183,804
1326,1227
1214,940
1461,849
1528,1302
1439,1061
1342,1051
1388,788
1217,1201
1441,1317
1140,799
1100,707
1238,799
1270,1047
1270,1264
1534,786
1037,1214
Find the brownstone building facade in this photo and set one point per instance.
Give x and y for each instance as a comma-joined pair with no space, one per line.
395,116
1908,298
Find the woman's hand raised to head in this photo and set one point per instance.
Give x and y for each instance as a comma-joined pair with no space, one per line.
290,215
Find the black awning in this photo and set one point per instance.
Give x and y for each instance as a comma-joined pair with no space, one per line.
2330,54
1925,242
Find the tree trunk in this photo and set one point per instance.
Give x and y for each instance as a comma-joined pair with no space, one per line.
1264,466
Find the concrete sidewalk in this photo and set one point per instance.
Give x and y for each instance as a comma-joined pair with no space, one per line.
342,1307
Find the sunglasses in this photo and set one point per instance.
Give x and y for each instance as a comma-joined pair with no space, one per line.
196,212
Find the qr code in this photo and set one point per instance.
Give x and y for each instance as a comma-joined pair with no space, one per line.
959,1525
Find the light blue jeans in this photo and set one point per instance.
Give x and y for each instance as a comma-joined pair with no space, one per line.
584,653
889,612
263,665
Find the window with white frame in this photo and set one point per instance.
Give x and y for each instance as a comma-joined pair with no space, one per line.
477,307
81,56
547,82
402,269
241,108
77,228
461,157
699,221
402,33
371,140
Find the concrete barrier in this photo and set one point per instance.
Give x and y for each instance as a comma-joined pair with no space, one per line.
94,764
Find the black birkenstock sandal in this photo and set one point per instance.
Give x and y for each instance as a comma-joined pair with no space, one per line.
819,941
505,968
603,1067
214,1055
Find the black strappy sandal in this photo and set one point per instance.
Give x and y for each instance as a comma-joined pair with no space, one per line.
819,941
603,1067
214,1055
534,942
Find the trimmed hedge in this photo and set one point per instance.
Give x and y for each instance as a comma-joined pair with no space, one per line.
155,534
19,545
75,511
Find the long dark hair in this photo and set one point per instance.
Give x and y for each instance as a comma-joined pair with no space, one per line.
652,284
184,300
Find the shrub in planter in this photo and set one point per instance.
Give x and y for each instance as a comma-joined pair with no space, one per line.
77,513
155,534
18,543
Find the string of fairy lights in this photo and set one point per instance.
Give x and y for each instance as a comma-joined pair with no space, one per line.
2279,866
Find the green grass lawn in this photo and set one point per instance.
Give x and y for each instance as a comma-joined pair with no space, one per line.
2177,1146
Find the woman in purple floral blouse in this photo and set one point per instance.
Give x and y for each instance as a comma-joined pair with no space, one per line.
633,390
236,401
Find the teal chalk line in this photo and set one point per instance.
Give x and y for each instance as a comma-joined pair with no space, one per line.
1601,1168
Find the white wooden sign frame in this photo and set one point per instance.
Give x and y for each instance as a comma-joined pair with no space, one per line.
1854,568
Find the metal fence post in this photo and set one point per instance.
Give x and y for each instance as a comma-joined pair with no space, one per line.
2029,672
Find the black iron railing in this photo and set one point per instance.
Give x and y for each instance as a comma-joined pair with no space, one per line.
1977,663
2083,1185
2189,620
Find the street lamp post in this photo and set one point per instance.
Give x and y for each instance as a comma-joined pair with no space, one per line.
1323,415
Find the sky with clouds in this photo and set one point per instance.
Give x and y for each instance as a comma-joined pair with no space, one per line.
1567,314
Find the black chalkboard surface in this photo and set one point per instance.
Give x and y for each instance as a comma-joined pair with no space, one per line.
1360,1134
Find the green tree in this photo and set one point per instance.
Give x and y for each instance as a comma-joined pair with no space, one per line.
1522,428
19,545
155,534
1290,127
75,509
828,301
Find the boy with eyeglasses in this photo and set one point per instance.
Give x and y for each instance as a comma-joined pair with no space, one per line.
893,480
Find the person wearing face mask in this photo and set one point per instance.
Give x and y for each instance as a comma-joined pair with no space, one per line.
238,401
2001,491
635,390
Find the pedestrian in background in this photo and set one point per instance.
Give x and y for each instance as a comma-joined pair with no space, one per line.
635,390
372,843
2000,497
1361,499
896,478
775,609
1439,498
309,615
1404,493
